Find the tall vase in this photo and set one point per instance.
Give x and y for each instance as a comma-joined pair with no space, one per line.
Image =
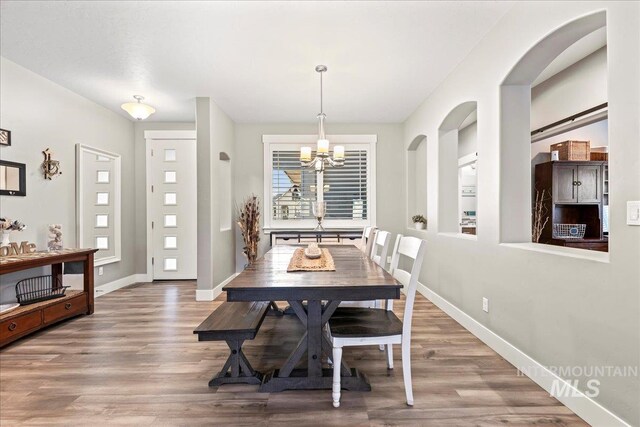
5,238
319,211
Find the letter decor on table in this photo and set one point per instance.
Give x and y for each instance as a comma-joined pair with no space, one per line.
13,249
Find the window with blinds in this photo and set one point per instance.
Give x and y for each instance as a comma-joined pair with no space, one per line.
345,188
293,188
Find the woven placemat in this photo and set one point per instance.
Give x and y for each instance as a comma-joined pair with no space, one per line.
299,262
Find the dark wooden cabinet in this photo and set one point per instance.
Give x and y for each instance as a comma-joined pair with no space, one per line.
577,183
574,194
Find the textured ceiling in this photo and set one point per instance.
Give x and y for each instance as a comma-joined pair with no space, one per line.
254,59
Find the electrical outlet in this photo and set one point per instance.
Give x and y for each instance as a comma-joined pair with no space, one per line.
100,271
485,305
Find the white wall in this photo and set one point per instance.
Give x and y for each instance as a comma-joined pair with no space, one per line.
577,88
249,175
42,114
561,310
216,248
468,140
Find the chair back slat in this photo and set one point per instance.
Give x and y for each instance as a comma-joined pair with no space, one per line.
365,236
402,276
370,239
380,248
409,246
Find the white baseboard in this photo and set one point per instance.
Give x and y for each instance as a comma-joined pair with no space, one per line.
117,284
585,407
211,294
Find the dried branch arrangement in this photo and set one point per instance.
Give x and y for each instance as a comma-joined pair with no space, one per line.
540,216
249,224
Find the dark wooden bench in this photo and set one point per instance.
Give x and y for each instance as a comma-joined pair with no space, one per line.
234,322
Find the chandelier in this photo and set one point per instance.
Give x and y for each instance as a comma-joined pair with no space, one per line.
322,152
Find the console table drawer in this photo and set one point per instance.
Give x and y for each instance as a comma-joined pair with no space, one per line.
18,325
65,308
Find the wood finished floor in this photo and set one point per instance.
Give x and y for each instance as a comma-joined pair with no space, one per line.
136,362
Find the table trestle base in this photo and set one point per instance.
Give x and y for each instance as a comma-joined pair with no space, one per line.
299,380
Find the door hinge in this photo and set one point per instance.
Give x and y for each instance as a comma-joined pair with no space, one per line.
152,225
152,153
153,260
152,188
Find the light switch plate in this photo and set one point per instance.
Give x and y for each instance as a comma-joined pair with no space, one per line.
633,213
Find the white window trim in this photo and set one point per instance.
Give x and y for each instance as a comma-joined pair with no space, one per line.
115,200
294,142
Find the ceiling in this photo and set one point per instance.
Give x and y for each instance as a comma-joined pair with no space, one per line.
256,60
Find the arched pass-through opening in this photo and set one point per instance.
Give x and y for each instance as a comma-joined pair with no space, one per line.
457,149
515,119
416,163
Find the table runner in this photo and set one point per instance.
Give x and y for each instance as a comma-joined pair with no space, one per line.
299,262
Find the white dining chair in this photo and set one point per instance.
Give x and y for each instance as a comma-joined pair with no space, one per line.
364,238
389,302
375,326
368,241
379,244
380,247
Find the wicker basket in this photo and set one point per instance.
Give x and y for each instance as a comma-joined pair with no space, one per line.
569,231
573,150
40,288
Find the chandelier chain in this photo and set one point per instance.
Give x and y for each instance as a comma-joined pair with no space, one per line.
321,111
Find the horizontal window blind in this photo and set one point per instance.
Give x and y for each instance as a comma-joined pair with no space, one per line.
293,188
346,187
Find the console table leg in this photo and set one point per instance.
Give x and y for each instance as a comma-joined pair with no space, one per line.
56,275
88,282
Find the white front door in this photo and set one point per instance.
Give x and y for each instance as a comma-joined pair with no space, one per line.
171,166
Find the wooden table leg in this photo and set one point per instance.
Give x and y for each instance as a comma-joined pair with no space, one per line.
56,275
314,338
314,376
88,281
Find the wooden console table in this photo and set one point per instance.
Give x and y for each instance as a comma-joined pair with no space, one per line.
292,237
30,318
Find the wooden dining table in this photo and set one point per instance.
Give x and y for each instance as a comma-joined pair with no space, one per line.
356,278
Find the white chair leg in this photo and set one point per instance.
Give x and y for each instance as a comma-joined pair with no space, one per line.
406,370
379,304
390,356
337,362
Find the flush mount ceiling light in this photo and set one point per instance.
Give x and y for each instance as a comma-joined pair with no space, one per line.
138,110
322,151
